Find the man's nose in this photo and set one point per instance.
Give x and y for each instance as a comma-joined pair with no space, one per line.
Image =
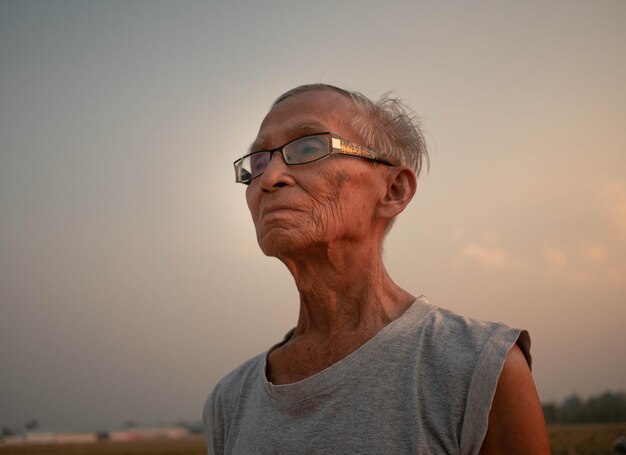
276,174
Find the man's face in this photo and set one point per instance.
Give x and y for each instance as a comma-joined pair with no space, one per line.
330,202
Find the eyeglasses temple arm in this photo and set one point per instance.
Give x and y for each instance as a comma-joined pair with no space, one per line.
349,148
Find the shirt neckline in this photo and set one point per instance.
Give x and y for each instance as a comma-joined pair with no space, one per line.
343,370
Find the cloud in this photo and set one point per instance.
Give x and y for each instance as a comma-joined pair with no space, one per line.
595,253
556,259
487,251
488,256
594,264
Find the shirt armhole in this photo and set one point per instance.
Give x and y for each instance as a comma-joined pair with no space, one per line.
483,384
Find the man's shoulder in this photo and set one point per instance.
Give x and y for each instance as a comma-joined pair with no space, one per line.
443,330
236,384
437,319
241,377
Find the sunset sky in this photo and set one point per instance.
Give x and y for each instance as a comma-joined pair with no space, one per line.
130,277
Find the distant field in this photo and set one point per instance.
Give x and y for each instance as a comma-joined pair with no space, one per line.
590,439
596,439
189,446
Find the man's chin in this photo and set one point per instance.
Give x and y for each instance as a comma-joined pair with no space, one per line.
281,242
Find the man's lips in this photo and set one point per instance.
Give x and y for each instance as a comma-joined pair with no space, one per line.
279,209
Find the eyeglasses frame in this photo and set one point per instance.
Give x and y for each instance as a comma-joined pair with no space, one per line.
338,146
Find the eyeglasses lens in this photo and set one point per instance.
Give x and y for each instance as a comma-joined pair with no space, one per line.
300,151
307,149
257,163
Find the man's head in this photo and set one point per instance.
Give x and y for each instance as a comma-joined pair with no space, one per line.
340,200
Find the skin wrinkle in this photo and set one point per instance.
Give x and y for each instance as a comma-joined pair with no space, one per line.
333,207
326,210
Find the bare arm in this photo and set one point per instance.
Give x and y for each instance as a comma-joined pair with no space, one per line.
516,422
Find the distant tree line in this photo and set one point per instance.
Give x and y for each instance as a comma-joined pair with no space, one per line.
29,425
604,408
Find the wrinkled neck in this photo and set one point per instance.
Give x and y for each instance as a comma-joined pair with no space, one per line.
345,289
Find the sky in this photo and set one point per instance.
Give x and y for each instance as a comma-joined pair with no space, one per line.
130,276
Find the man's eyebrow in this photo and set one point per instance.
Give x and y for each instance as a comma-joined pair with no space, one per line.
292,131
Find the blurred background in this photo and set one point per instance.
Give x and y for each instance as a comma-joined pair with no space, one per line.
130,277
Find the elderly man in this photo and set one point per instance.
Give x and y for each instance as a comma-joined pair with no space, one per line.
368,368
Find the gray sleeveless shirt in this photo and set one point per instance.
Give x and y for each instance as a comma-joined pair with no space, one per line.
422,385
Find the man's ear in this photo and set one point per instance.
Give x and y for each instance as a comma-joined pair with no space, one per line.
401,186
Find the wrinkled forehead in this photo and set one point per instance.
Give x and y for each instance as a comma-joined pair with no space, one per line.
305,113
